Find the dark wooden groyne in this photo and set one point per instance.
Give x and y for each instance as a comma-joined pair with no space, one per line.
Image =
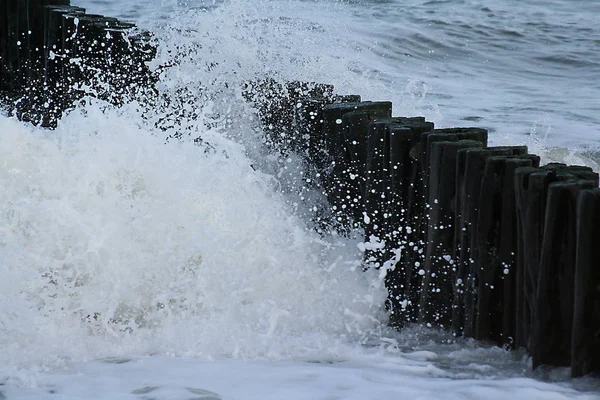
479,240
52,54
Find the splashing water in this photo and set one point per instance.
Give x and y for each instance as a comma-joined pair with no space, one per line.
168,226
114,242
117,238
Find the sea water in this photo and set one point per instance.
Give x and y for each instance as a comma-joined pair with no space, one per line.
161,250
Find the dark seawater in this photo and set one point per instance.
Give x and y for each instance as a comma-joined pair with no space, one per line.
517,68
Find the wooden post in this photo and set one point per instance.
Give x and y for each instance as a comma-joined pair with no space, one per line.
277,105
308,128
476,134
509,245
585,345
344,128
404,134
531,186
4,60
84,57
412,234
54,57
553,317
13,80
439,269
125,68
377,197
496,241
470,169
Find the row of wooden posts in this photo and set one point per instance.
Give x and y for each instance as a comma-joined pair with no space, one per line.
479,240
52,54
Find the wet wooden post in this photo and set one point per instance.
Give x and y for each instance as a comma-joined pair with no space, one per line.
278,103
19,40
531,186
120,62
377,196
470,170
439,269
415,203
553,317
404,133
24,44
425,311
384,153
4,62
268,96
585,346
364,167
496,248
36,17
52,41
292,101
54,57
447,134
401,139
308,128
82,67
407,182
23,55
344,127
13,53
508,245
308,140
407,163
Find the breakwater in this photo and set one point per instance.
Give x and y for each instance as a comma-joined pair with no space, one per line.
479,240
483,241
52,54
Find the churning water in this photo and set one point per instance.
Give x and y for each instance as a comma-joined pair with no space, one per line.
169,228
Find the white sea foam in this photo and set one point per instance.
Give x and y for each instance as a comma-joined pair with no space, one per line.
411,376
119,239
114,242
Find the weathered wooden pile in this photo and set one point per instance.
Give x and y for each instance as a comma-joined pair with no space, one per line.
52,54
480,240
